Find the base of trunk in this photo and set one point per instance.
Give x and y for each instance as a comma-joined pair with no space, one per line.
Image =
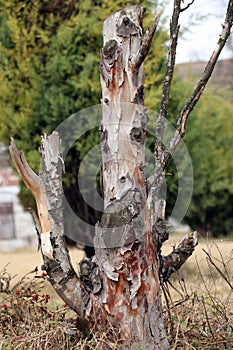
145,345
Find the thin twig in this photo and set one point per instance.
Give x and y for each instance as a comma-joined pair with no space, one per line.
223,262
204,282
165,293
186,7
145,46
176,289
174,31
218,269
159,174
179,302
206,316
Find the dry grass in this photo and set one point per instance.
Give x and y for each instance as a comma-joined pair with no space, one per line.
199,298
20,262
29,322
198,308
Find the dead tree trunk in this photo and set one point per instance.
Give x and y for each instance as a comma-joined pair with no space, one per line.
124,244
120,287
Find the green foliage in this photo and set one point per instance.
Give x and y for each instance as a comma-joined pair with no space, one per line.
30,27
208,138
49,64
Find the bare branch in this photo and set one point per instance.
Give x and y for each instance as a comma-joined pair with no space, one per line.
37,225
145,46
35,219
172,262
158,178
218,269
181,123
174,32
186,7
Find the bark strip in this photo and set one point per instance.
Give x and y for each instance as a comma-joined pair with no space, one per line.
33,183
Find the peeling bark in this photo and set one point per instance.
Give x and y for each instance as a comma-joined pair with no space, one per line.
124,246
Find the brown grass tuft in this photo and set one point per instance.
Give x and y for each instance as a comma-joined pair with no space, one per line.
199,305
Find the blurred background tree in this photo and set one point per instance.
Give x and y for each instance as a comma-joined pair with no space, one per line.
49,70
209,141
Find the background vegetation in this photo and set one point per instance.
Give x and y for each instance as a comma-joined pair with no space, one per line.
49,70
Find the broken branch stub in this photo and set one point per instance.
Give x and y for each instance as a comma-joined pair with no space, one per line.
33,183
47,191
172,262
